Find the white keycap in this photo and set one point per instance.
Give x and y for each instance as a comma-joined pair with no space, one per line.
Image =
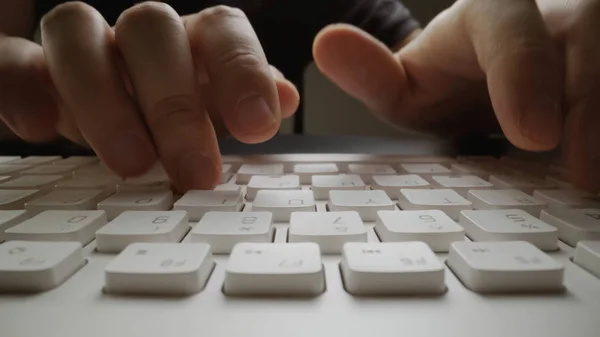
471,169
136,201
306,171
11,218
509,225
523,183
148,182
77,226
160,268
366,203
391,268
424,169
330,230
51,169
506,199
283,203
560,180
28,266
223,230
16,199
36,160
197,202
461,184
367,171
246,171
66,200
574,225
587,256
226,173
282,182
33,182
567,198
79,160
92,170
12,170
509,266
98,181
274,269
141,226
432,227
7,159
322,184
392,184
445,200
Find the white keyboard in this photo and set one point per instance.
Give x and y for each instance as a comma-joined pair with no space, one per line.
299,245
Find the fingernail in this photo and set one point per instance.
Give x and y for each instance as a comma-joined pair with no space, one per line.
254,114
196,171
130,153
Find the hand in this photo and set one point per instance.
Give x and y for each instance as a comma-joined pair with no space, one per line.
534,67
155,86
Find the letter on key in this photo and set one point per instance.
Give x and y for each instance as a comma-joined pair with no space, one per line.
366,203
283,203
136,201
508,266
197,202
391,268
293,269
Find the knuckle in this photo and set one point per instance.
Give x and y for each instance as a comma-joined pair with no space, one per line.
145,14
221,11
173,111
75,12
240,57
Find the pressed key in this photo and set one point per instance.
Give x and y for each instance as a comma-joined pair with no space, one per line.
105,182
51,169
574,225
136,201
246,171
223,230
524,183
31,182
367,171
65,199
424,169
366,203
509,225
77,226
432,227
506,199
322,184
30,266
330,230
16,199
509,266
197,202
461,184
391,184
148,182
391,268
11,218
226,173
279,182
445,200
283,203
587,256
306,171
141,226
567,198
291,269
160,269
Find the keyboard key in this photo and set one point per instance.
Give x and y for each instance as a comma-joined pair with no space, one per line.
148,182
197,202
79,160
51,169
160,269
471,169
223,230
92,170
461,184
226,173
28,266
77,226
322,184
291,269
523,183
16,199
424,169
12,170
283,182
11,218
509,225
391,268
509,266
36,160
66,200
8,159
306,171
33,182
246,171
445,200
432,227
587,256
560,180
366,203
391,184
506,199
330,230
284,203
574,225
367,171
141,226
105,182
567,198
136,201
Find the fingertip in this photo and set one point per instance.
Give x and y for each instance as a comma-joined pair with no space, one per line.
289,98
197,171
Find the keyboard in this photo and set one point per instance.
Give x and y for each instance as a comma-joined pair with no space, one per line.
329,244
